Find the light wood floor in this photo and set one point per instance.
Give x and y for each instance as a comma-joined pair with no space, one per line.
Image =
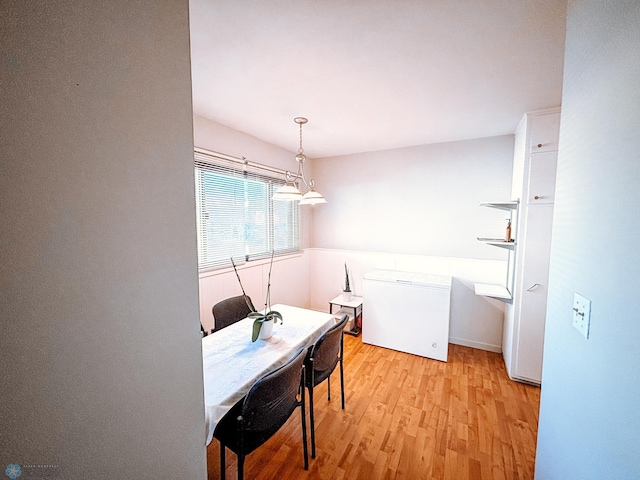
407,417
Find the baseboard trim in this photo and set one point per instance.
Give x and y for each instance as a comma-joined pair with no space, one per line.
479,345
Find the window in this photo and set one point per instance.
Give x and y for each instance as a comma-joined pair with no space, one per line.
236,216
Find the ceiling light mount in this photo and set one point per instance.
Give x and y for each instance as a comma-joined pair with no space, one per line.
289,191
300,157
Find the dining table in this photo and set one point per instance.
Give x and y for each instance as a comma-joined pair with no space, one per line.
232,362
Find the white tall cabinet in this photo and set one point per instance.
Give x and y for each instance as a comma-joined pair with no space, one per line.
534,172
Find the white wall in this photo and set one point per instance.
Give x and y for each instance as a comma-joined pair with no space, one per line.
100,359
589,417
417,209
222,139
419,200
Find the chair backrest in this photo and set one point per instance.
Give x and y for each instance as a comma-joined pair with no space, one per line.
231,310
326,352
273,398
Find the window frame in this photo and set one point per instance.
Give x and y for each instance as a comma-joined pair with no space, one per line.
259,211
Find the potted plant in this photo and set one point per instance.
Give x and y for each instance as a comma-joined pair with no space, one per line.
262,322
346,291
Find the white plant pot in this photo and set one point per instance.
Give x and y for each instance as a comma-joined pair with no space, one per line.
346,296
266,330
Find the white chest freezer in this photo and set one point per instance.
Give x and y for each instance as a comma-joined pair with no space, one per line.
407,311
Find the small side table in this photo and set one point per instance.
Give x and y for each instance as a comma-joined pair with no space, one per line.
355,303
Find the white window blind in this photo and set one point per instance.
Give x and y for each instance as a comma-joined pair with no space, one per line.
236,217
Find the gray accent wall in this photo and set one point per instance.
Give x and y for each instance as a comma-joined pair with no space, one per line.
100,359
589,413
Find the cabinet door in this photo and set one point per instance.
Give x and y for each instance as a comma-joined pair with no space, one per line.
544,133
533,302
542,178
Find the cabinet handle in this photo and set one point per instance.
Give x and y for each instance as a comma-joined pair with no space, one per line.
536,197
539,145
533,287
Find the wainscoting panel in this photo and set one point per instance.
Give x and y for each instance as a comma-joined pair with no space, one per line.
475,321
313,278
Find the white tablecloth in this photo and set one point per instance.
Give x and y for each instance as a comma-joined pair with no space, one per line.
232,363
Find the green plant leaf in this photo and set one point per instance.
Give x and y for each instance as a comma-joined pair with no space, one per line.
260,318
257,324
347,287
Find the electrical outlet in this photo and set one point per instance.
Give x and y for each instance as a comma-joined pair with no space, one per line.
581,314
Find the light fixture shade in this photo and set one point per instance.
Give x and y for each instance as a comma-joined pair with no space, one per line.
312,198
287,192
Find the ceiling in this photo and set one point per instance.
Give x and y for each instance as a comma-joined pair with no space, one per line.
375,74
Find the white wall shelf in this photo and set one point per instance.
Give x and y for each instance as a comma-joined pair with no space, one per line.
501,205
496,242
494,291
501,292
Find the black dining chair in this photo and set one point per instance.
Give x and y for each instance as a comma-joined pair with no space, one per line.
320,363
263,411
231,310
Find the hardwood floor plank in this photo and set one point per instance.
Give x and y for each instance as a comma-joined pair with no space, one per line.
408,417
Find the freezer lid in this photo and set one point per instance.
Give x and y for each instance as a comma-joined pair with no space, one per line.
410,278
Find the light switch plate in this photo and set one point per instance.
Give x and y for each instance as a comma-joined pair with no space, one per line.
581,314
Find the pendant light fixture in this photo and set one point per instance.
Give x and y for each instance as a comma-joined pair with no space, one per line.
289,191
